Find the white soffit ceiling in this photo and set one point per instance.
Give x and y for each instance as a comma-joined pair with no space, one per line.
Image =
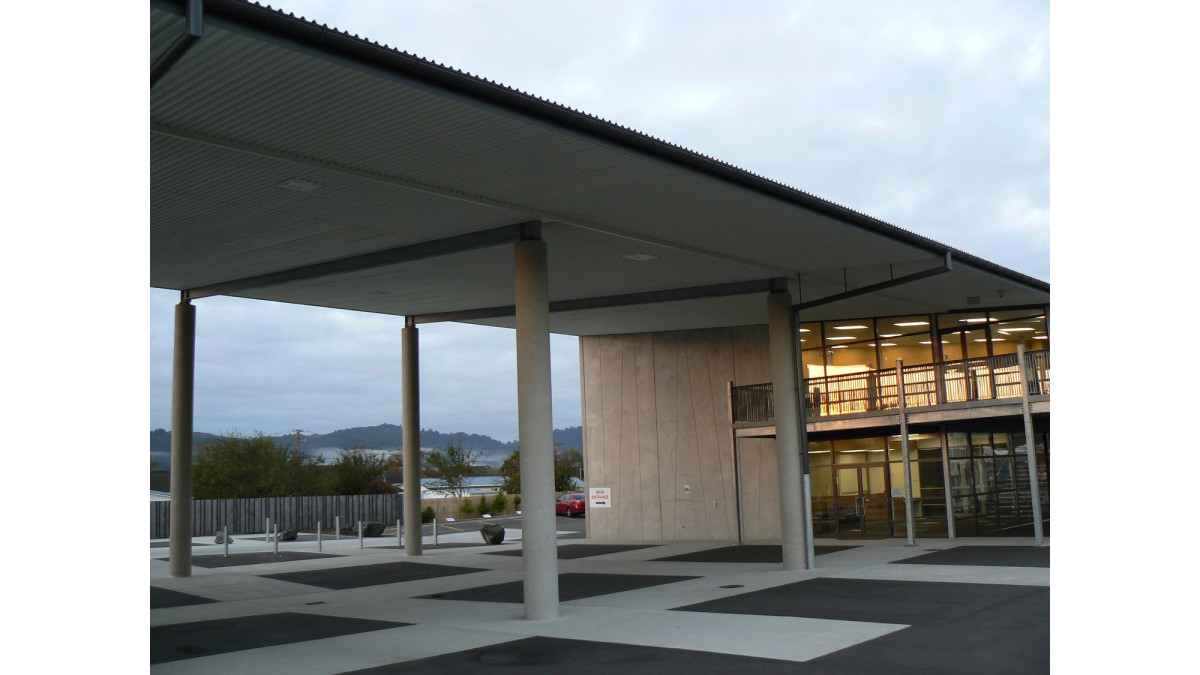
398,162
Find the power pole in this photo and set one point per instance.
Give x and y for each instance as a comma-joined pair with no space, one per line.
297,438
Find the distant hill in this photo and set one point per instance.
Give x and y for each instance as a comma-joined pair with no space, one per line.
381,437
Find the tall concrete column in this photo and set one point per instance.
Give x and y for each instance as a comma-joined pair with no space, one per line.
182,395
793,510
411,448
536,431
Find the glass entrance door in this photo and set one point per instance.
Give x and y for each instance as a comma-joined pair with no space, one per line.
864,501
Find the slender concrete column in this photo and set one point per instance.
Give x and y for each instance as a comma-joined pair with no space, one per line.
411,421
1030,452
536,431
792,509
182,393
948,488
902,402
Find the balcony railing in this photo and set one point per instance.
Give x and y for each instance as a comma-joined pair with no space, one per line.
978,379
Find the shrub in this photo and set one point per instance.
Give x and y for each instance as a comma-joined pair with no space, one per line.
427,514
499,503
467,507
484,507
517,502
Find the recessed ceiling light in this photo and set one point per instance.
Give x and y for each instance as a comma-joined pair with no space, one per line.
805,330
906,324
1040,337
993,340
839,346
842,337
641,257
299,184
887,344
889,335
1019,329
981,319
929,342
848,327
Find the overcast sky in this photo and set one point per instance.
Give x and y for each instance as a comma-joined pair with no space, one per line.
932,116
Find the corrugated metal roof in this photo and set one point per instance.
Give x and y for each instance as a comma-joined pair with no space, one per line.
406,150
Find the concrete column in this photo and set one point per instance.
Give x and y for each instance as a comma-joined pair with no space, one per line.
946,481
536,431
902,403
411,448
182,394
1030,449
793,510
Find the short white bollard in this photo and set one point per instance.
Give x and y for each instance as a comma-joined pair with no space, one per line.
435,532
337,527
277,539
318,535
225,537
360,537
399,541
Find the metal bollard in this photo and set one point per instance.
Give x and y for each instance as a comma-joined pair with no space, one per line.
225,536
276,538
360,537
337,527
399,541
318,535
435,531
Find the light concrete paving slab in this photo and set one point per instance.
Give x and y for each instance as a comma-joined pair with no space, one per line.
964,574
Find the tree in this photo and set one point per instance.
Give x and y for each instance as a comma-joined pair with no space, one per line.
450,468
235,466
510,470
357,471
568,464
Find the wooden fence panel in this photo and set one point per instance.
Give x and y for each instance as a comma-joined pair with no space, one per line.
248,516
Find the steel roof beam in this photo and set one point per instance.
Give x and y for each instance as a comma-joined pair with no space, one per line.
392,256
946,266
621,300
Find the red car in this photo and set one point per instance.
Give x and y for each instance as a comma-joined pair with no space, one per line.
570,504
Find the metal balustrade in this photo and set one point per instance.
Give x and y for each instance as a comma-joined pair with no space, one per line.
977,379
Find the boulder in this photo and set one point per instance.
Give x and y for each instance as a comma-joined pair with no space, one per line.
492,533
373,529
289,534
220,539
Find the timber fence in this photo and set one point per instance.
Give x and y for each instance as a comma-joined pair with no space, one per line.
248,516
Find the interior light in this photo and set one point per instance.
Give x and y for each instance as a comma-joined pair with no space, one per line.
848,327
839,346
805,330
906,324
1040,337
889,335
976,320
842,337
1018,329
993,340
887,344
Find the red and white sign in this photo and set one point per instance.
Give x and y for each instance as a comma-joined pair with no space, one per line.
599,498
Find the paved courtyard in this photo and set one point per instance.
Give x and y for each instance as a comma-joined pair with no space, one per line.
965,606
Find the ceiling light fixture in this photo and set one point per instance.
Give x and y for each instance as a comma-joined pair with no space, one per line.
848,327
299,184
889,335
906,324
842,337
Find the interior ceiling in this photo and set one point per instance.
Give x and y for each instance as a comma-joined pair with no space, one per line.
397,161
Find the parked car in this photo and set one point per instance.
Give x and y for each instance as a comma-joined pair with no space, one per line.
570,504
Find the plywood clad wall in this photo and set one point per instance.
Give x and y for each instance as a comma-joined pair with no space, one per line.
656,432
